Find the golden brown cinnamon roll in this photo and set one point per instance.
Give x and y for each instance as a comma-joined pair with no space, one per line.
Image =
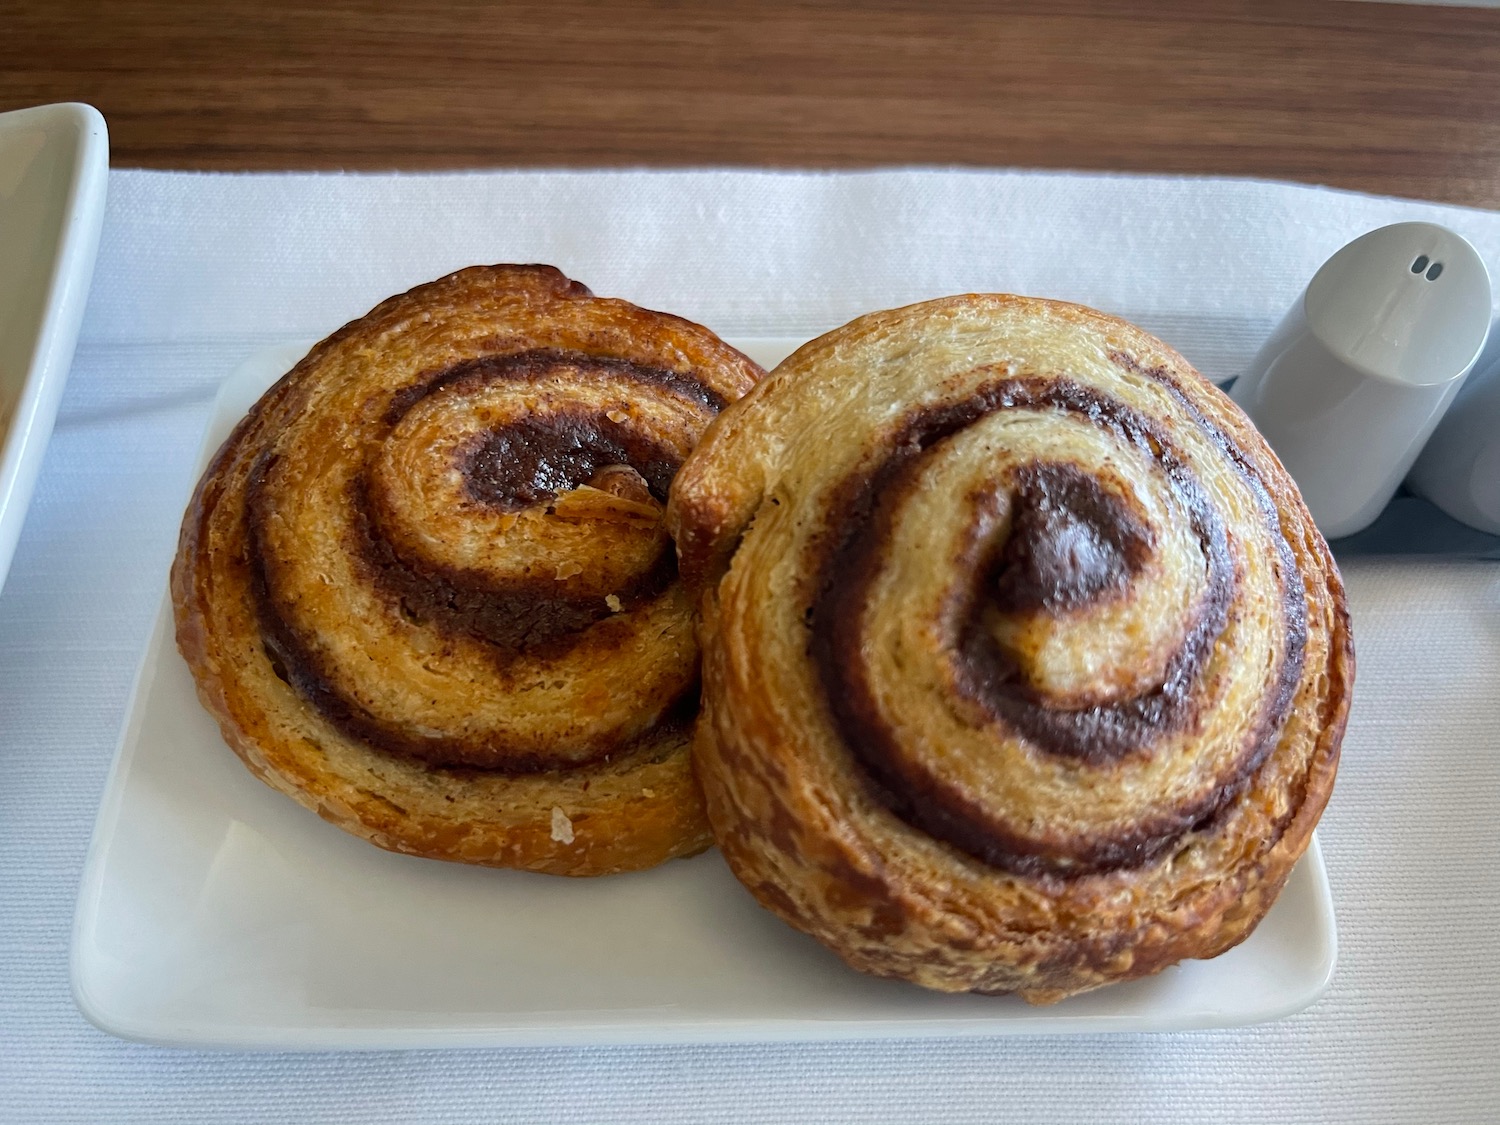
425,586
1025,668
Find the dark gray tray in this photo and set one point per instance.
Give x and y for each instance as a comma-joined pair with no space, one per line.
1412,526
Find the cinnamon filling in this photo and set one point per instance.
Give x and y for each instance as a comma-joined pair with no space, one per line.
526,464
1072,544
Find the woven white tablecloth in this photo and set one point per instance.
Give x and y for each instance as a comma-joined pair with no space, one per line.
196,271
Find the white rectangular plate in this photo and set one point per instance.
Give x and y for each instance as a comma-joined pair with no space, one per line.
215,912
54,165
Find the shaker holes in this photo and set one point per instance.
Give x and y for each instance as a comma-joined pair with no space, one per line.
1422,264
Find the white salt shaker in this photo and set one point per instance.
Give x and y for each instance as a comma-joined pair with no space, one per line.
1459,469
1360,371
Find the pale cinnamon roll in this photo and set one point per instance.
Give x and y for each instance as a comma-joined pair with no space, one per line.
1025,668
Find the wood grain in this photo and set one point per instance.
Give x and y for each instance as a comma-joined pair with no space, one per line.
1379,97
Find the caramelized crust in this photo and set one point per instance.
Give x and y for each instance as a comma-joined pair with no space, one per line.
1025,668
425,586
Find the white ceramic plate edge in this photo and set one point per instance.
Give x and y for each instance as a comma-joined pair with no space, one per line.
1311,872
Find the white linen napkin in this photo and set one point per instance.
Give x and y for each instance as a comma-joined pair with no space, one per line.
196,271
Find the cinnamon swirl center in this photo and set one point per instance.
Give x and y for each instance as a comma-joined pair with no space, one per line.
1072,542
449,569
1028,628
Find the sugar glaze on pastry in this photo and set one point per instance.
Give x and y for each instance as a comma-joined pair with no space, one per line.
426,589
1025,668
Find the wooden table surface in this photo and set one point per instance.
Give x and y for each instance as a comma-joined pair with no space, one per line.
1379,97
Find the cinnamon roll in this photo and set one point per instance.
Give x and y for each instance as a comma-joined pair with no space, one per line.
426,589
1025,668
